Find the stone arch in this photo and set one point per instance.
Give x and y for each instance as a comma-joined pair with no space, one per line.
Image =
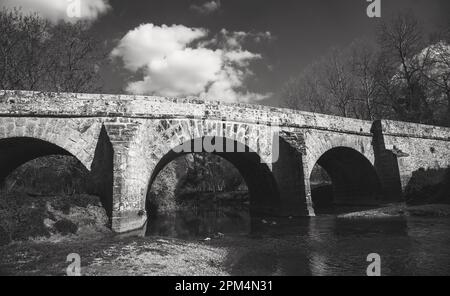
16,151
76,136
25,139
263,191
354,178
156,138
319,142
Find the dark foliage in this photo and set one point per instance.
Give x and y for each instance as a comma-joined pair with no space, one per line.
428,186
37,55
65,227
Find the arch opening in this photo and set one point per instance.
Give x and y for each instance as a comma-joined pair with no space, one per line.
40,183
18,151
343,177
243,187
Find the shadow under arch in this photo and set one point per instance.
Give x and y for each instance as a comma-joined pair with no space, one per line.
353,177
16,151
262,188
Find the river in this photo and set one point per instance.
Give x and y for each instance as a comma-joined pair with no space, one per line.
227,241
323,245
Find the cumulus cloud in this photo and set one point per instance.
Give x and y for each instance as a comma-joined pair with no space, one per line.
56,10
180,61
150,42
207,7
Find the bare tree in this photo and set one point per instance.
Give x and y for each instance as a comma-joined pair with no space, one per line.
401,40
339,82
401,76
37,55
306,92
363,62
435,68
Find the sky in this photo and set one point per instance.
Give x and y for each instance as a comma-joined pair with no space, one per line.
228,50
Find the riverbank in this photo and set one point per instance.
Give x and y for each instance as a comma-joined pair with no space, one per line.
156,256
402,209
112,256
318,246
323,245
51,218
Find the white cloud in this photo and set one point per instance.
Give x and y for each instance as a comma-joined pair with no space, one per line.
241,57
56,10
177,61
182,72
150,42
228,87
207,7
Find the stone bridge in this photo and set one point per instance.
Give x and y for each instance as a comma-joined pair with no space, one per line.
124,141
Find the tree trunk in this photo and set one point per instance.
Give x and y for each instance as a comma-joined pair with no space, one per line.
448,107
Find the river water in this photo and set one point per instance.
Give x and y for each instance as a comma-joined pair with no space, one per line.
323,245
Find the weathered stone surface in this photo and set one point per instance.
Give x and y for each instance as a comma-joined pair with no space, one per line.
126,140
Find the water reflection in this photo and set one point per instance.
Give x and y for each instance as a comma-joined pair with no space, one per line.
199,223
324,245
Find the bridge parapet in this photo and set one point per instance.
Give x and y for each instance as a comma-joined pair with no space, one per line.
412,130
27,103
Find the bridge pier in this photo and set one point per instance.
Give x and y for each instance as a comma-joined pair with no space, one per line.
289,172
129,183
386,165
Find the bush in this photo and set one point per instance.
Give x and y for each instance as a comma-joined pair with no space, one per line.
83,200
63,203
428,186
55,174
30,223
161,197
443,193
22,216
5,238
65,227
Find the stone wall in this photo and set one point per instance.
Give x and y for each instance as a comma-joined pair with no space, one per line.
416,146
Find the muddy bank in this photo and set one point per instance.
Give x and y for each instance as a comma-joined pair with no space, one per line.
155,256
158,256
113,256
402,209
26,216
430,186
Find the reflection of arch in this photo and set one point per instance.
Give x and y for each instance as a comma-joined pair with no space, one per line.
264,196
354,179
